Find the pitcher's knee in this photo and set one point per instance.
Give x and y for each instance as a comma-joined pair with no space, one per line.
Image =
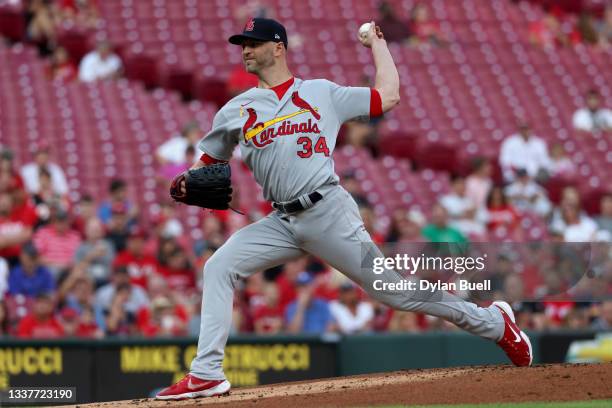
217,268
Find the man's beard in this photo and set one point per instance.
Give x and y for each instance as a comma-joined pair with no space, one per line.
257,66
251,69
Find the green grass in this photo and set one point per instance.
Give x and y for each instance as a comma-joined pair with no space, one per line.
573,404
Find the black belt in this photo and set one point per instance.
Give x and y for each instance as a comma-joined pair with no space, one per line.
296,205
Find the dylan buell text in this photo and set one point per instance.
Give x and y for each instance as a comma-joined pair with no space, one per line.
423,285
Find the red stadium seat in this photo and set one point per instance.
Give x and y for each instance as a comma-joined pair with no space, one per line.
12,24
142,68
555,186
213,90
437,156
179,80
591,202
75,42
399,144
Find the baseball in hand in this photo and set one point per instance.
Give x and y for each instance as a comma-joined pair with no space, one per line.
363,30
368,32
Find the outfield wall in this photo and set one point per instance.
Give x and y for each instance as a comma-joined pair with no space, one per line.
112,369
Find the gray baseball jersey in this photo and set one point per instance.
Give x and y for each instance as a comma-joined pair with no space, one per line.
288,144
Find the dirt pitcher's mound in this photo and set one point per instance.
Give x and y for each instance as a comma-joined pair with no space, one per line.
565,382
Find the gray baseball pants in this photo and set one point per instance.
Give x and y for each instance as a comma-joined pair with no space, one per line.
333,231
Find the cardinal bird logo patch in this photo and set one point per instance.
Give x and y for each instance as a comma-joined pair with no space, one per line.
302,104
250,25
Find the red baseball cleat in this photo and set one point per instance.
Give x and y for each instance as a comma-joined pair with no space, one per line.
194,387
515,343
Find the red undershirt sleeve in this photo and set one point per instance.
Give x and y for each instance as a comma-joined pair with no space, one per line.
207,160
375,103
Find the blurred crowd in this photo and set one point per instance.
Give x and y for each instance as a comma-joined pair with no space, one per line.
557,27
45,20
560,27
96,269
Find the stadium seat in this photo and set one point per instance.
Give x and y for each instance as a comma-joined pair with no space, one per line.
12,25
212,90
180,80
75,42
140,67
555,185
399,144
592,200
437,156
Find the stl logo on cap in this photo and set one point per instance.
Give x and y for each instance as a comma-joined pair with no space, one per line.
250,25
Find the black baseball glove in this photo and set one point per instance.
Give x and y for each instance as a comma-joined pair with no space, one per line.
207,187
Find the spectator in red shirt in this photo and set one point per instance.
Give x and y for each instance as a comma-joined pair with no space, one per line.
382,316
84,13
178,271
10,180
326,282
57,242
548,33
423,29
287,278
268,317
16,225
84,210
4,321
41,322
500,213
69,319
139,264
87,325
556,311
61,68
166,226
77,324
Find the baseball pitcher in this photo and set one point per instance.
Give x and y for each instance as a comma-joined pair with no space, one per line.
286,129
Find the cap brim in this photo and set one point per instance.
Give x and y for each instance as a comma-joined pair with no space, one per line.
238,39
